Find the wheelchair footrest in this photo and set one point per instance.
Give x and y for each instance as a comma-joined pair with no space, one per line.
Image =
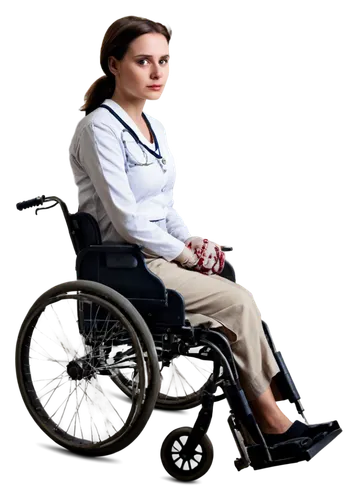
318,444
293,450
290,448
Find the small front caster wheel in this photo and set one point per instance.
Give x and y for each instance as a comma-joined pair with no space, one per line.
190,467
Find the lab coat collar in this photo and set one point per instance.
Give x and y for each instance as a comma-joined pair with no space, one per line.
125,117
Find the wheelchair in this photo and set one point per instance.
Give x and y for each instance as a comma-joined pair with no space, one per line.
93,358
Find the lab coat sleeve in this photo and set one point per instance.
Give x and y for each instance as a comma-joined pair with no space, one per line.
175,224
102,156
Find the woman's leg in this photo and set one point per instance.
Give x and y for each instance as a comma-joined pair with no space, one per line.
268,415
232,307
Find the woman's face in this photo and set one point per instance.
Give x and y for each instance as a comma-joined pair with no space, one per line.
146,63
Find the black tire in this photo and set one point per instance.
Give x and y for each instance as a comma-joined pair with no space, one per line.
123,308
190,469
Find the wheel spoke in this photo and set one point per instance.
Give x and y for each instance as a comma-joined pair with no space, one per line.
88,399
111,330
57,378
79,401
72,418
52,392
62,339
179,380
54,361
101,397
90,405
93,322
49,359
83,348
65,405
196,367
176,382
94,423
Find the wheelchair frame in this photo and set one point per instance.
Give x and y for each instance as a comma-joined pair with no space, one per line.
120,267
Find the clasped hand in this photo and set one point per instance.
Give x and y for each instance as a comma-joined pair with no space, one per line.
211,259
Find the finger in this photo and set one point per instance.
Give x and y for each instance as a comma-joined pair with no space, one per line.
220,262
209,262
218,267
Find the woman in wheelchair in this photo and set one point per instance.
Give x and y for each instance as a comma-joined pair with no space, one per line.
125,175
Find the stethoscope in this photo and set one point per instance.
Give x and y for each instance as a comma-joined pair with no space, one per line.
144,148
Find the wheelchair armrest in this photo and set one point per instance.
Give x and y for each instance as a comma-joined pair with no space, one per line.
226,249
120,255
228,271
122,267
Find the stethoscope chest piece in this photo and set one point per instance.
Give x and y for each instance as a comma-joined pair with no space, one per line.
163,161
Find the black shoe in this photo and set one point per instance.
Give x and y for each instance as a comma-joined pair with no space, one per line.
299,429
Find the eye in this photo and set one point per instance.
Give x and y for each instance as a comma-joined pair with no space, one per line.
165,60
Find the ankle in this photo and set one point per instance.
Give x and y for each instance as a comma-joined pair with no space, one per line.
278,427
272,422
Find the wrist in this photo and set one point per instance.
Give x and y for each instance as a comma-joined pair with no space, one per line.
191,238
187,258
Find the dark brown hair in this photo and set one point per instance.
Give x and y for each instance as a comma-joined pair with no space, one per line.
115,43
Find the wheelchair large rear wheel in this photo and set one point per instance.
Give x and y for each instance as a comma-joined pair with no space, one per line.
72,342
182,382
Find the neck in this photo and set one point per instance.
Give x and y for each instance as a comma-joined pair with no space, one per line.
133,108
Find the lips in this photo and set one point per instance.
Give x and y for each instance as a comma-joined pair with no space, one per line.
154,86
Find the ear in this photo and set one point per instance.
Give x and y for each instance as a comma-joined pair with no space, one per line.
113,65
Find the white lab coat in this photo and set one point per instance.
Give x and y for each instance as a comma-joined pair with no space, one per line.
123,196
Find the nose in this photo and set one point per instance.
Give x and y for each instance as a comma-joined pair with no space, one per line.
157,71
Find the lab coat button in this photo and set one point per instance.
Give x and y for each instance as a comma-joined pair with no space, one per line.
164,161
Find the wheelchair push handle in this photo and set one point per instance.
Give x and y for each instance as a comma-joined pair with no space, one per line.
34,202
41,200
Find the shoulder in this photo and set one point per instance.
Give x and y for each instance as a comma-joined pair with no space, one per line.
97,122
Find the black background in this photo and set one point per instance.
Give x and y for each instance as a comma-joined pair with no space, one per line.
256,113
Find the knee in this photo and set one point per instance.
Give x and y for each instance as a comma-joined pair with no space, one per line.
249,301
239,297
243,300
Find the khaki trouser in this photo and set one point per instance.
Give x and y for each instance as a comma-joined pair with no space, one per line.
214,301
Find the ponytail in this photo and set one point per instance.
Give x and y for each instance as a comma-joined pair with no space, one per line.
100,89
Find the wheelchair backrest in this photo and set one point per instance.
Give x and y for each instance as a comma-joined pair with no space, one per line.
84,231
